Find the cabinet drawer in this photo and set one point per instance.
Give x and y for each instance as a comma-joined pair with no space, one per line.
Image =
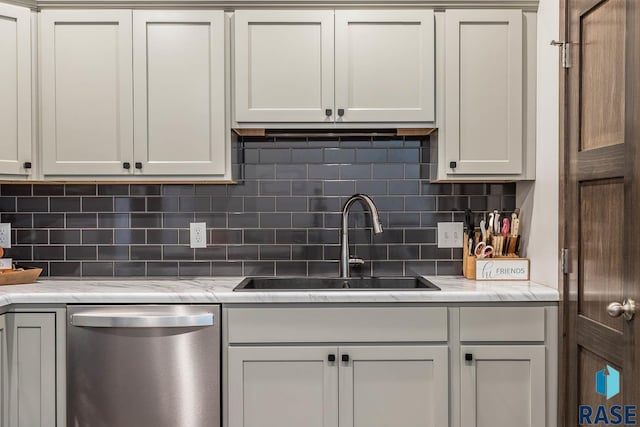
337,324
502,324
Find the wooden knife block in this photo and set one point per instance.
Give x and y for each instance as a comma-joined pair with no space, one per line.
468,261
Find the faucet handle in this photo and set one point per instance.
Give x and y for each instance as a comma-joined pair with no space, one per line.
355,261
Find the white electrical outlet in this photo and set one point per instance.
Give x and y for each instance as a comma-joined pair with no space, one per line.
5,235
198,234
450,234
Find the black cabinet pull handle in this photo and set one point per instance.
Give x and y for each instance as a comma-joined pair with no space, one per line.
345,357
340,112
126,165
468,357
453,165
27,165
138,165
331,358
328,112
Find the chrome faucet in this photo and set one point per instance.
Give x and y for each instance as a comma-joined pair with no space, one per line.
345,260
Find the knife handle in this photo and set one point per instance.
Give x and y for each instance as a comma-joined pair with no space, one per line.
515,227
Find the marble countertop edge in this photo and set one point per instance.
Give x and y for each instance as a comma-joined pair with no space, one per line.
454,289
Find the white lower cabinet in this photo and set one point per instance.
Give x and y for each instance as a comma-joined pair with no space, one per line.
283,387
503,385
4,373
31,345
400,366
394,385
324,386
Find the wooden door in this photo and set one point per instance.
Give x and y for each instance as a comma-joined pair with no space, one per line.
400,386
284,66
484,91
179,102
4,371
32,370
601,186
502,386
385,65
15,90
283,386
86,92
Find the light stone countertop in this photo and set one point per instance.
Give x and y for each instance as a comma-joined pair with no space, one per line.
219,290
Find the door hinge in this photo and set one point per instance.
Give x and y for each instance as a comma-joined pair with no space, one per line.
566,55
564,260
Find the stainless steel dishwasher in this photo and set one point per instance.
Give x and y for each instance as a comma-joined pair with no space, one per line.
143,366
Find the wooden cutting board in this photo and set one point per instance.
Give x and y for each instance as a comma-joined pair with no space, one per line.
24,277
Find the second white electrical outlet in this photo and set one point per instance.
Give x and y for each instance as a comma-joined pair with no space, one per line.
5,235
198,234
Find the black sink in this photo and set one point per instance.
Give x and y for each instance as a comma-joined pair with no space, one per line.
257,284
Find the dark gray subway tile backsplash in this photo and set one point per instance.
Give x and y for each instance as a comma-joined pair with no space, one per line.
282,218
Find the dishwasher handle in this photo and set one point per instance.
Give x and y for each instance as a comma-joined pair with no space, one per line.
141,320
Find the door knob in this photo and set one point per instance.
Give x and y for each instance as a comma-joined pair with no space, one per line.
627,309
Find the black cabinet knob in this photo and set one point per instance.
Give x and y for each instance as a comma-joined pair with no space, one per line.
345,357
27,165
331,358
340,112
126,165
453,165
328,112
468,357
138,165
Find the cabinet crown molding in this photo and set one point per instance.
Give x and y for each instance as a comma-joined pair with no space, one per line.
525,5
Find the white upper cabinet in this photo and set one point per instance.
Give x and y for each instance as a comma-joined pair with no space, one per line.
179,96
87,98
15,90
133,93
385,65
284,65
483,117
383,62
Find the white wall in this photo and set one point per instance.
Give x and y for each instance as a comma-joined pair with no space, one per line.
538,200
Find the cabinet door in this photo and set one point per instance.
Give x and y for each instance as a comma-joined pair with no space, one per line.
385,65
284,65
32,371
503,386
179,101
87,99
400,386
484,91
282,387
4,371
15,89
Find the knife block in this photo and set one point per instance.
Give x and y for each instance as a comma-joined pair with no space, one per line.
468,261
